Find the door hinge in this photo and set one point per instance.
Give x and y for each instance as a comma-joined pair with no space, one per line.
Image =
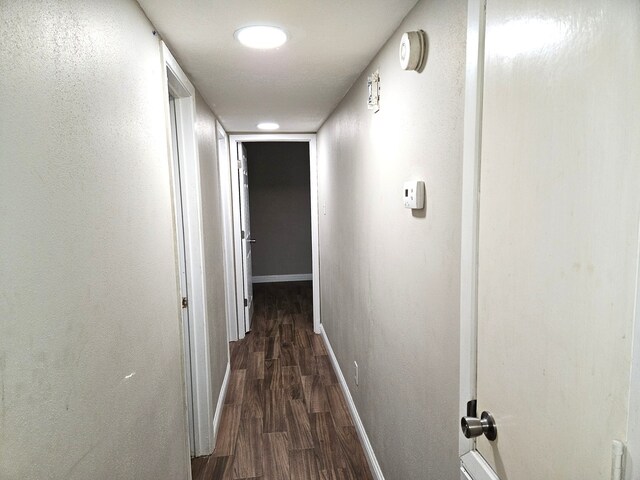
242,234
185,302
246,302
617,461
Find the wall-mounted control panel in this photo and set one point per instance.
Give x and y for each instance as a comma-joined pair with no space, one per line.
414,195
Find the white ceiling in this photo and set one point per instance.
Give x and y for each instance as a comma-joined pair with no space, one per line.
299,84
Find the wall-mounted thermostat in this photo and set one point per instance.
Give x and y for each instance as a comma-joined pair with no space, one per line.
414,195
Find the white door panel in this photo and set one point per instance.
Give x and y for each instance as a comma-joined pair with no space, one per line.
243,174
558,234
182,265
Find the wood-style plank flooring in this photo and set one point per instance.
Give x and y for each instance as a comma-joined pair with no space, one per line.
284,416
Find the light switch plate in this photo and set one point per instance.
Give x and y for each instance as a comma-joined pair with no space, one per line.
413,195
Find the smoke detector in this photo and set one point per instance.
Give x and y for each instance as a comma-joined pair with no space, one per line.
413,49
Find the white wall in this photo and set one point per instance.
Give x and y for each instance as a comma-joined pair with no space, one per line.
90,348
390,279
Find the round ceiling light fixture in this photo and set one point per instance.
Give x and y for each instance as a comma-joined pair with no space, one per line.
262,37
268,126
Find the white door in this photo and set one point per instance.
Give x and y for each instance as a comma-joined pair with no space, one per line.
247,241
558,234
227,233
182,265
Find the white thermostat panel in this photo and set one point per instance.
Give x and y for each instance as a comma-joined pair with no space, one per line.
414,195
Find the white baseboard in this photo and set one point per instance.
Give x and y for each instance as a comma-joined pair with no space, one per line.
296,277
376,471
218,413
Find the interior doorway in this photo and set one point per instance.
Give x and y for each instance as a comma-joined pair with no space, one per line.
227,232
182,268
185,173
280,211
244,241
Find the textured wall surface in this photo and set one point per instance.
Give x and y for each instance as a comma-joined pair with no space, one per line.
389,278
280,206
213,254
90,348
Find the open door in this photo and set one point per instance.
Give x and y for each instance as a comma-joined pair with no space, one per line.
182,267
557,238
185,174
245,235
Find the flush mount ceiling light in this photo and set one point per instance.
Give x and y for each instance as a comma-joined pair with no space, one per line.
268,126
262,37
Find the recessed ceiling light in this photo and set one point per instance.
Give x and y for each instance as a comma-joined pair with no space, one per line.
268,126
261,36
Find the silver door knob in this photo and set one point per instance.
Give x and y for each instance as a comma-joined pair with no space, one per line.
474,427
252,240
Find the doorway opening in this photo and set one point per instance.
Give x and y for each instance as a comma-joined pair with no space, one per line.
281,210
185,173
182,268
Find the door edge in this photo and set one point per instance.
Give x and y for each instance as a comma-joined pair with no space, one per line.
475,467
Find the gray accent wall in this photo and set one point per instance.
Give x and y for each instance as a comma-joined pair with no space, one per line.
280,207
390,277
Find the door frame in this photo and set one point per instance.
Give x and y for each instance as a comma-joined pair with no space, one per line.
245,230
182,266
177,83
309,138
226,203
632,448
472,465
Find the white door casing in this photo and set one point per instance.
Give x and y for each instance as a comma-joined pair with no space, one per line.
557,236
182,270
227,233
178,85
235,140
472,464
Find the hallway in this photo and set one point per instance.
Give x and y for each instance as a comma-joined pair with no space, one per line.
471,176
284,414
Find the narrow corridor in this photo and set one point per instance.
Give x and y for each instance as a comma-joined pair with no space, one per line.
284,415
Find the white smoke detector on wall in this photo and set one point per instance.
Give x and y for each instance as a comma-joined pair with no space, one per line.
413,49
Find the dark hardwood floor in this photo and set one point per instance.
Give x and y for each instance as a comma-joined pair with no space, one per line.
284,415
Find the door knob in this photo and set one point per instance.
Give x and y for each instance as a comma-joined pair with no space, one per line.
474,427
252,241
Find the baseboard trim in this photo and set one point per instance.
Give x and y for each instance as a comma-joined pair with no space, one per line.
296,277
218,413
376,471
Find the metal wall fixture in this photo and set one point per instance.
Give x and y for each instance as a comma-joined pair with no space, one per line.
373,86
